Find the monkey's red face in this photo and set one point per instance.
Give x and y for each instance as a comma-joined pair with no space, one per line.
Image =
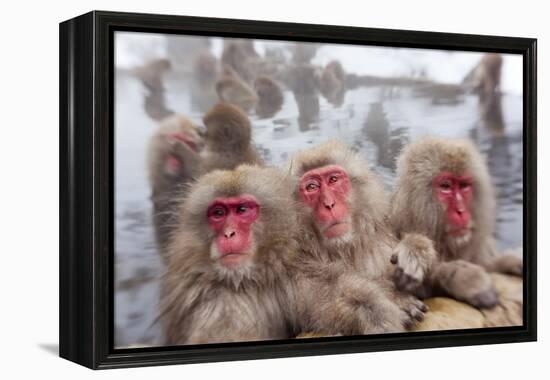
231,219
326,190
455,192
173,164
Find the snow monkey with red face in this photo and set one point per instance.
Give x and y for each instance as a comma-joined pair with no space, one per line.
444,192
347,241
229,264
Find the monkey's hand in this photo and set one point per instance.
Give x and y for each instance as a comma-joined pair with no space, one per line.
413,258
508,264
411,307
362,306
466,282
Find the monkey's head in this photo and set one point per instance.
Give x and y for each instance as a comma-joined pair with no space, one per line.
444,191
205,67
176,133
227,128
339,193
241,221
265,87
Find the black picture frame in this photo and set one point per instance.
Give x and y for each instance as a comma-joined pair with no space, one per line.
87,195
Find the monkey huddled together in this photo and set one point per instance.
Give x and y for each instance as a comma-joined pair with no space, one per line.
260,253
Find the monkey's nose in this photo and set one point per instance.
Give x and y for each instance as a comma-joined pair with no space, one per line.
229,234
329,205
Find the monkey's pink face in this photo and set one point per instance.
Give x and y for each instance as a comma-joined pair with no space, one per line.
326,190
231,219
455,192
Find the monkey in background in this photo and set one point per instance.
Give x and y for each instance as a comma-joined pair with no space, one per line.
333,83
173,162
444,192
228,139
303,80
151,73
232,89
229,262
270,96
346,241
304,52
488,74
241,56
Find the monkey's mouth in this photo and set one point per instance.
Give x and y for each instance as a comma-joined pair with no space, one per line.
231,259
459,232
336,229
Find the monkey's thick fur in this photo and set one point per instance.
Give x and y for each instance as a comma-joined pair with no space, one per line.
204,302
462,264
358,264
228,140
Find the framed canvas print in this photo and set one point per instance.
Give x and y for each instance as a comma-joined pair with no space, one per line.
238,189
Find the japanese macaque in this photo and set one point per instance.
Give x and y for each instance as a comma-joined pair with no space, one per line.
154,105
270,97
173,162
203,84
205,68
228,139
241,56
444,192
303,80
151,73
485,76
304,52
232,89
182,50
229,260
333,83
347,241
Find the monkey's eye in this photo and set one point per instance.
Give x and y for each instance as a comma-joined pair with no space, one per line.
312,186
217,212
445,185
465,185
241,209
333,179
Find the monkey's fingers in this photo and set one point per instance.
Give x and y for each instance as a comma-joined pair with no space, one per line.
414,310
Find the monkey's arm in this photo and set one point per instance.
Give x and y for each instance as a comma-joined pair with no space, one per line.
189,158
353,305
413,259
508,262
464,281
